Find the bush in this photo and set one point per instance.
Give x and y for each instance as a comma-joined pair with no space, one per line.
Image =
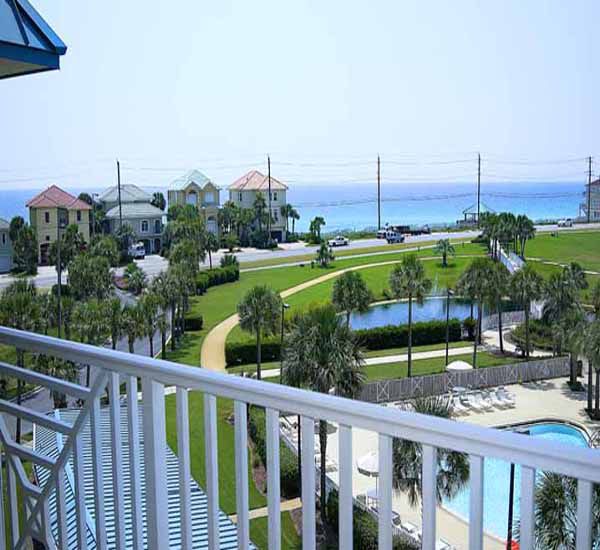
65,290
217,276
229,260
540,335
469,325
396,336
288,462
390,336
194,322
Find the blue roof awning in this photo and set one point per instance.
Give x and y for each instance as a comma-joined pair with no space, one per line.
27,43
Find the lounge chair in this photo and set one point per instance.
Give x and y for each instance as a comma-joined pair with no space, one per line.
412,530
485,404
495,401
396,521
458,407
474,403
442,544
506,397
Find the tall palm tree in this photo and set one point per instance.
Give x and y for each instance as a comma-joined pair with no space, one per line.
474,284
556,513
285,211
112,311
496,289
133,324
295,217
260,315
150,305
524,230
163,326
211,244
260,210
561,297
595,299
445,248
351,293
409,281
452,467
592,351
324,255
526,286
315,228
321,353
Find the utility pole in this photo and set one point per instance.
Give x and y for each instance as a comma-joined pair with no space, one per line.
269,216
119,194
378,192
478,188
589,191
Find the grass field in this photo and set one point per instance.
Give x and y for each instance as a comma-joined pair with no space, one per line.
259,533
580,246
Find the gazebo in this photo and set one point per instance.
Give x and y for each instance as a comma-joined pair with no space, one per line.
471,215
27,43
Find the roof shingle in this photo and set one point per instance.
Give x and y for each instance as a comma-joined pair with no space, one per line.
256,181
55,197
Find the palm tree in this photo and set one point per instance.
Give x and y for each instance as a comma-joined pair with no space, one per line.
570,333
211,244
409,281
133,324
496,289
315,228
351,293
561,298
556,513
321,353
165,286
452,467
595,299
260,315
445,248
260,210
524,230
285,211
150,305
592,351
324,255
112,312
67,307
136,278
163,326
295,217
526,286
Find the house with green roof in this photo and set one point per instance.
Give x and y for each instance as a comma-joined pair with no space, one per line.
6,251
198,190
129,193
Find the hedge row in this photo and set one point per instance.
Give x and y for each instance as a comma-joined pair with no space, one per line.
217,276
390,336
194,322
288,462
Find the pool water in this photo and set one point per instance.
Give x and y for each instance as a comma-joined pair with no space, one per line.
497,480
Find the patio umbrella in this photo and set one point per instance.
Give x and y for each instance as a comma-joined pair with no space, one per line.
368,465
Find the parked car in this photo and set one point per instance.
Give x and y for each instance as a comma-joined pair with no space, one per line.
567,222
137,251
394,237
382,233
339,240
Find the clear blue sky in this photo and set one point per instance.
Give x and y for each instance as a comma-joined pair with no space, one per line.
216,85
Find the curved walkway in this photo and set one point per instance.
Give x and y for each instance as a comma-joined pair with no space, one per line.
212,354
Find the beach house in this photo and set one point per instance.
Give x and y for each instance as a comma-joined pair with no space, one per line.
198,190
50,212
137,211
5,247
243,192
591,201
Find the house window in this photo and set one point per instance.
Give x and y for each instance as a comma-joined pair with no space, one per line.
47,217
144,226
3,238
209,197
274,195
240,197
157,226
47,237
275,214
78,215
192,198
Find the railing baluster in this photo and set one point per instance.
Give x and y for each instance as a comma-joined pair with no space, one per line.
96,433
429,496
585,492
80,508
241,474
476,503
183,456
384,498
117,459
133,427
2,501
527,535
345,492
308,483
273,479
212,469
13,508
155,463
61,508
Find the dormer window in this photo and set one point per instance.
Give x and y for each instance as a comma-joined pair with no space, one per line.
209,197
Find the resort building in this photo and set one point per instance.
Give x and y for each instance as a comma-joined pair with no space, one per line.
243,192
196,189
591,201
50,212
5,247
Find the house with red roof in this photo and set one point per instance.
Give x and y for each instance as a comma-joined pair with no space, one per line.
244,190
50,212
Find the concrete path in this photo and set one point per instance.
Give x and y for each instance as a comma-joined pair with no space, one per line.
212,354
491,339
286,506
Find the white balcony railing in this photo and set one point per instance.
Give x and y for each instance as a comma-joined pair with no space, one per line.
114,368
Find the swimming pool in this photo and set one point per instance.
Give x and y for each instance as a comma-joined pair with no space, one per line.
497,479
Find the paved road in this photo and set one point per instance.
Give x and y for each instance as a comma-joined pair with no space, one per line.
153,265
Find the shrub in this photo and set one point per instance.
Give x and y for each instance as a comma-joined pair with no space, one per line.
65,290
390,336
540,335
469,325
229,259
194,322
288,462
217,276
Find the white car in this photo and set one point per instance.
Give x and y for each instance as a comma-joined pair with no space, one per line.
394,237
338,241
567,222
137,251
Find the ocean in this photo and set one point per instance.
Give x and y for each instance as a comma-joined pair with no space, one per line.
354,206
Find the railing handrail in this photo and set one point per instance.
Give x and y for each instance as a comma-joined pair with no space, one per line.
442,433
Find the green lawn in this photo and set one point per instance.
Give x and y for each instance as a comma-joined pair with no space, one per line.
546,270
259,533
581,246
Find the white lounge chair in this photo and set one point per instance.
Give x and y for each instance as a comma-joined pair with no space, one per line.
458,407
493,398
474,403
483,402
441,544
412,530
506,397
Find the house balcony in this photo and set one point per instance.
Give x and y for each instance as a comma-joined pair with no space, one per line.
105,477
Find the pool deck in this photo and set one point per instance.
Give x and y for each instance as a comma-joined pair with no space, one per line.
548,400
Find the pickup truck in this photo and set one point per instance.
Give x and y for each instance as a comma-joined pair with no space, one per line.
394,237
338,241
568,222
